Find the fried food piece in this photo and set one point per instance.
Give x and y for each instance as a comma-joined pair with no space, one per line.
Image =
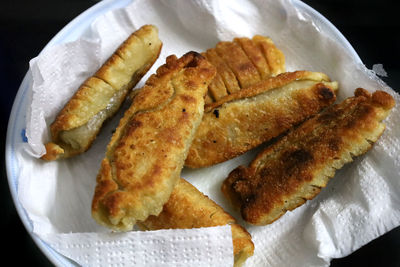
294,169
242,63
225,80
255,54
189,208
146,153
274,56
101,95
237,60
242,120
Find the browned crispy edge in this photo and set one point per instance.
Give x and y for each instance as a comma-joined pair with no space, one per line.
265,85
54,149
111,201
188,208
213,145
242,62
293,170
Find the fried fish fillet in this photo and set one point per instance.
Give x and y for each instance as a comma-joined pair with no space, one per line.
242,63
146,153
188,208
295,168
242,120
101,95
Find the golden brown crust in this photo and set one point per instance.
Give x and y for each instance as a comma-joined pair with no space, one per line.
242,63
188,208
208,98
268,84
294,169
101,95
223,71
52,151
217,88
256,56
240,121
234,56
147,151
275,58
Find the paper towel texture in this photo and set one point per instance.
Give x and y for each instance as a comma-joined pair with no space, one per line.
150,248
358,205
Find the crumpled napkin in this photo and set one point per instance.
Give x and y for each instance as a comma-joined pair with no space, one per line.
358,205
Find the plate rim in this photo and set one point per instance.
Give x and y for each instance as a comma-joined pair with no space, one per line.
82,21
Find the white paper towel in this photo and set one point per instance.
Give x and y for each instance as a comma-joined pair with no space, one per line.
358,205
195,247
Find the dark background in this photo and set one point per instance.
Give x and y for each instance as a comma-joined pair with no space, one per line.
372,27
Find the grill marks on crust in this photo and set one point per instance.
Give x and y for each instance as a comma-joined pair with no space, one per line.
293,170
242,63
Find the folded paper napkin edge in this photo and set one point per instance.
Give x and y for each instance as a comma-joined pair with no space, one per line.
211,246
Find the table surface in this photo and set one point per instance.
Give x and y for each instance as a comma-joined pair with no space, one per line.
372,27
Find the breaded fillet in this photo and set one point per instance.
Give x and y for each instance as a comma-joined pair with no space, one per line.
240,121
295,168
242,63
101,95
189,208
146,153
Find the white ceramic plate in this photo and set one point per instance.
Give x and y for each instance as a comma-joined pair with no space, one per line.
16,126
